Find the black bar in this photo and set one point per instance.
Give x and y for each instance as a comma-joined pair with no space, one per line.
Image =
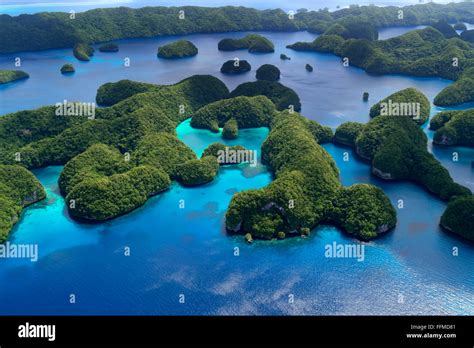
329,330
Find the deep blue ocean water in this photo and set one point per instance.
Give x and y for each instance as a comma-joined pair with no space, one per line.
174,251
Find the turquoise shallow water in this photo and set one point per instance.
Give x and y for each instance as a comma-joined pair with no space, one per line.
187,251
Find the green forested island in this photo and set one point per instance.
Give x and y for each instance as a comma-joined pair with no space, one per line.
177,49
248,112
109,47
306,190
235,67
459,217
425,52
231,129
83,52
217,149
253,42
197,171
130,152
18,189
67,69
283,97
268,72
111,93
397,149
100,184
46,30
405,103
453,128
7,76
118,160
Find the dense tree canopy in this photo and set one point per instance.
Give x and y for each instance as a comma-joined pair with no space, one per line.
109,47
248,112
112,92
7,76
306,191
268,72
454,128
177,49
283,97
459,217
83,51
461,91
231,129
397,149
444,28
67,69
117,160
197,171
218,150
18,189
253,42
55,30
347,133
55,140
405,103
235,67
101,183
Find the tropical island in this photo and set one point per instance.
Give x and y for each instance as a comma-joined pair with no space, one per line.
111,93
83,52
197,171
219,150
231,129
235,67
18,189
247,112
282,96
306,190
7,76
405,103
253,42
453,128
177,49
268,72
109,47
397,149
458,217
67,69
114,163
130,152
